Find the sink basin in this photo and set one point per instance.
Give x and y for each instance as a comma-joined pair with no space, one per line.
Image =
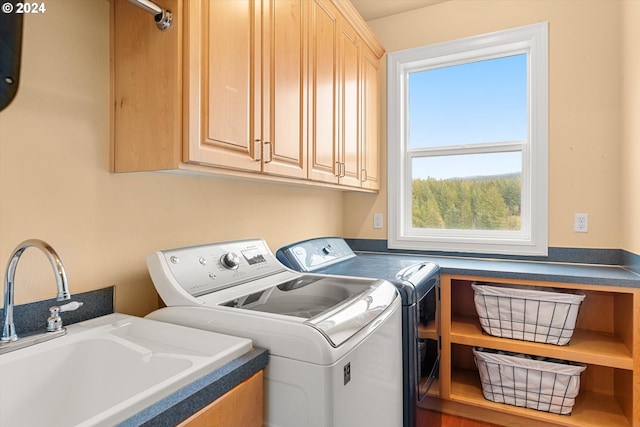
106,370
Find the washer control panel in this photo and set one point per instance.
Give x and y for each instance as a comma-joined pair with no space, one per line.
203,269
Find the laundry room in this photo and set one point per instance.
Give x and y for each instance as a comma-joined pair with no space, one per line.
282,128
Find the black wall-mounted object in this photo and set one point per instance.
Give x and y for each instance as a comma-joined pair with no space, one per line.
10,52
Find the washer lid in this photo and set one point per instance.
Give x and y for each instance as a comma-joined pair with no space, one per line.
345,320
337,307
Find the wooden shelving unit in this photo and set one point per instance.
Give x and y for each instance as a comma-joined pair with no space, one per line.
606,339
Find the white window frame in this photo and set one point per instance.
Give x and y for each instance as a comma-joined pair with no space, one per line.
532,239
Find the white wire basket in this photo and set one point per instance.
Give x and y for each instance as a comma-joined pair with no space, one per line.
527,313
543,384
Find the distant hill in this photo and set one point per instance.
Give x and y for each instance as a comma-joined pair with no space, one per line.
515,175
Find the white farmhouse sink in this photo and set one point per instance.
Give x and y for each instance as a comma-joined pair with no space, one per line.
106,370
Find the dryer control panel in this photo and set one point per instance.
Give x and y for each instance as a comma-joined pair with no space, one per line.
311,255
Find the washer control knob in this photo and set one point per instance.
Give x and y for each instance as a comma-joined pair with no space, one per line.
230,260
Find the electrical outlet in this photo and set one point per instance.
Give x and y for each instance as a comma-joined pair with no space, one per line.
581,223
377,220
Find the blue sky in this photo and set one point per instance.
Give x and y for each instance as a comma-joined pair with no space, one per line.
484,101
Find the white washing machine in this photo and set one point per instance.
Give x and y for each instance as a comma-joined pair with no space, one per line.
335,342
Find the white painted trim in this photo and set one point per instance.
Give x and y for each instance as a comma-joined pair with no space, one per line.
533,238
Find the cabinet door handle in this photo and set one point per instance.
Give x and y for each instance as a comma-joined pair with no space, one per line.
338,169
364,175
270,147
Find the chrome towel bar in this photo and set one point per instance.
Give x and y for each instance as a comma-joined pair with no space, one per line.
163,17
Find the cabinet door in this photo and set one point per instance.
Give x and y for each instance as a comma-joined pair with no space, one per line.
242,406
348,108
283,87
323,56
370,116
220,69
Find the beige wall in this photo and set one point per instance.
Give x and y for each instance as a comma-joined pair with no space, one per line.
631,127
54,150
585,83
55,182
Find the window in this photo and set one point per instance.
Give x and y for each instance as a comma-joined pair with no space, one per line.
467,123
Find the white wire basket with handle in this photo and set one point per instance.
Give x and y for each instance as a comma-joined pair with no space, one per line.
544,384
527,313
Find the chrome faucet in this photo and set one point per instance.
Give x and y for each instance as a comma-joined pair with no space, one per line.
8,327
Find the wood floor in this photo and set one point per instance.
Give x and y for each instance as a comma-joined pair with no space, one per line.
427,418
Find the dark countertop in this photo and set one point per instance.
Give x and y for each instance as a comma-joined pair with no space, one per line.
190,399
386,265
604,275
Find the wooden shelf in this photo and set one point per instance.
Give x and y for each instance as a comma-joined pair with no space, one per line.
428,331
590,410
596,348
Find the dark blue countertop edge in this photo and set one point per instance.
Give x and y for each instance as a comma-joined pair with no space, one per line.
555,254
528,268
187,401
564,274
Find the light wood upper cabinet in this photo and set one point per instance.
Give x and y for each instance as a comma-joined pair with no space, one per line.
183,97
274,89
284,86
248,85
323,91
344,112
221,68
349,137
370,157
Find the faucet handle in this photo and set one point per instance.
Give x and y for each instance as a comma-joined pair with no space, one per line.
71,306
54,322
